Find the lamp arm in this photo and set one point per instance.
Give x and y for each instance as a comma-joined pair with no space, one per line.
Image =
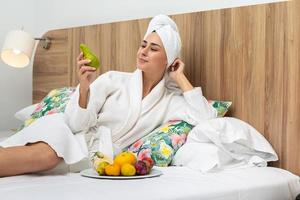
45,42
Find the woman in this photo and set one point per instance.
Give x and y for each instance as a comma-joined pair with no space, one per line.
114,110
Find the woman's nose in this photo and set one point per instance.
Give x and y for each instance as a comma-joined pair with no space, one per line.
144,51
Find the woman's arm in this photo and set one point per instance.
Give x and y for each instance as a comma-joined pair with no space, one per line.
86,75
195,107
83,97
177,74
81,111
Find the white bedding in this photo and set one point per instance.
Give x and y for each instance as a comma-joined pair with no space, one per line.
5,134
264,183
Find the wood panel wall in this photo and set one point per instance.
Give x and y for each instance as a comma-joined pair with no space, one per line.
248,55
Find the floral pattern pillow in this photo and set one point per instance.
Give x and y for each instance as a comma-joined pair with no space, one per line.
221,106
162,143
55,102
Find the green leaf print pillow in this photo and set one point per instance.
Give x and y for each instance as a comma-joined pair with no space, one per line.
55,102
221,106
162,143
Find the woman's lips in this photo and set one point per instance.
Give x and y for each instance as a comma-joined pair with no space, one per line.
141,60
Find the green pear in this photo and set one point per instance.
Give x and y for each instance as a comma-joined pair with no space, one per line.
87,54
101,168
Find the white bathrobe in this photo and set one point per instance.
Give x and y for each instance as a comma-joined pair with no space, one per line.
116,116
116,103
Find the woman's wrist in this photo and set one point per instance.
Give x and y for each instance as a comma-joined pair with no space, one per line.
83,90
183,82
83,97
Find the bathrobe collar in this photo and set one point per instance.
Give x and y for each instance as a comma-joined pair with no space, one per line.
154,96
139,106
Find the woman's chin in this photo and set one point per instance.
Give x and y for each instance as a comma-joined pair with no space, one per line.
141,67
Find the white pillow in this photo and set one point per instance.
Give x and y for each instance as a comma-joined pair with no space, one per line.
202,157
25,113
236,137
223,143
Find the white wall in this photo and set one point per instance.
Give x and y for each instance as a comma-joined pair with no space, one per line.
15,84
38,17
54,14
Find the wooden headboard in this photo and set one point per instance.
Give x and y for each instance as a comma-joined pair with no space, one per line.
248,55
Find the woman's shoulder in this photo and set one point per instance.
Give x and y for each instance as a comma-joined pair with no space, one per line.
112,77
118,74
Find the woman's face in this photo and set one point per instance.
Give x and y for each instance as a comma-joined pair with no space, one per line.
151,56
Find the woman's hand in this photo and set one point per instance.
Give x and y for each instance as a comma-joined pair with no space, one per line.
176,69
177,74
85,73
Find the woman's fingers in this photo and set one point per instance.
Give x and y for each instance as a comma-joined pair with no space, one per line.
88,73
79,57
83,62
85,68
177,65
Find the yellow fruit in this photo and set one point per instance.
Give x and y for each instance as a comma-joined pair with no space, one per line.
112,170
96,163
101,168
128,170
125,158
100,157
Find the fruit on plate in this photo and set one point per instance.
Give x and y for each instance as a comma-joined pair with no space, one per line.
149,162
141,168
88,54
101,168
100,157
128,170
125,157
113,170
124,164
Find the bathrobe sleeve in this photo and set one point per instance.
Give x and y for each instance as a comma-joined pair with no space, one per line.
191,107
80,119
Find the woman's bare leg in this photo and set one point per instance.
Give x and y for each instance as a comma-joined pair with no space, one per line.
33,157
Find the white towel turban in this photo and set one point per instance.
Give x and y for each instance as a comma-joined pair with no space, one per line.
167,30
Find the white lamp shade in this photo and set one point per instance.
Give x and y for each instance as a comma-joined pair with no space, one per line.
17,48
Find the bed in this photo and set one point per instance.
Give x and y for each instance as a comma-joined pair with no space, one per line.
242,59
176,183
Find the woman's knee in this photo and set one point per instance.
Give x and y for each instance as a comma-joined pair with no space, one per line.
45,155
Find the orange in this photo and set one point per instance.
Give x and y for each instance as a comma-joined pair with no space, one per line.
125,158
112,170
128,170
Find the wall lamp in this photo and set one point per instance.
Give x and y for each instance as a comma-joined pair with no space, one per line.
18,47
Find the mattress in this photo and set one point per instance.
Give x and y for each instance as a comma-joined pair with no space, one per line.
176,183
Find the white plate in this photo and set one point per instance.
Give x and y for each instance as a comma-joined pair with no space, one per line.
91,173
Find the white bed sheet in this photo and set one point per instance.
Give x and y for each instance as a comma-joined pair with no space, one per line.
176,183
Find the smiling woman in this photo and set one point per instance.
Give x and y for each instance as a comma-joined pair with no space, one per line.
156,92
236,54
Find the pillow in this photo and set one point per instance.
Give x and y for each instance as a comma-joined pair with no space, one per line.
25,113
221,106
202,157
232,143
162,143
54,102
